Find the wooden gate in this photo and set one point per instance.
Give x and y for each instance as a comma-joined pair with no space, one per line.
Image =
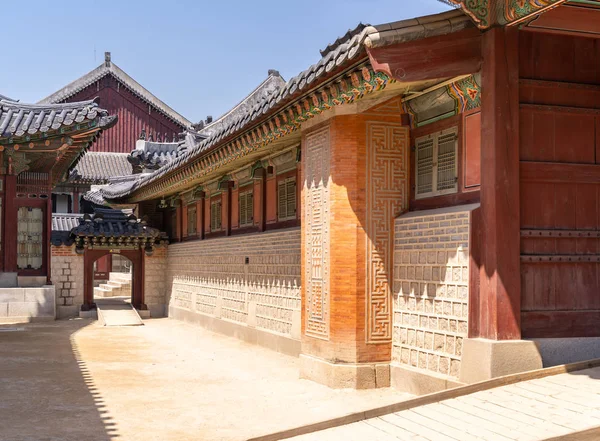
560,186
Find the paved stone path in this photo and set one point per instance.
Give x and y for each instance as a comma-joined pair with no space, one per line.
543,409
75,380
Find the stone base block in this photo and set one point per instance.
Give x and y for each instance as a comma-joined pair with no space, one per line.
485,359
344,376
91,314
144,314
419,381
557,351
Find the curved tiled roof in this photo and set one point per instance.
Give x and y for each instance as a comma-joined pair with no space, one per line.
109,68
269,86
105,222
98,167
347,49
17,120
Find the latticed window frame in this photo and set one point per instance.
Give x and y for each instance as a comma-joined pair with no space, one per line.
246,207
192,217
435,137
216,215
286,198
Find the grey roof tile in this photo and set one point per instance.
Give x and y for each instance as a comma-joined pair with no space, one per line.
17,119
98,167
343,50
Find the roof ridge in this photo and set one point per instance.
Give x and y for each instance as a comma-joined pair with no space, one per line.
272,73
110,68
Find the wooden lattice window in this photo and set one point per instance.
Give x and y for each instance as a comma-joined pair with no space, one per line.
191,219
436,164
215,215
246,208
286,199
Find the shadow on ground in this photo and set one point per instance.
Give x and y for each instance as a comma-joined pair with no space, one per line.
46,390
585,435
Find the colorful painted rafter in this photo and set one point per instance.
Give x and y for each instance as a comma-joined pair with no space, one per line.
345,89
488,13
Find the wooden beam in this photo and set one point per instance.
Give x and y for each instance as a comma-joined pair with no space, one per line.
568,20
550,172
500,284
431,58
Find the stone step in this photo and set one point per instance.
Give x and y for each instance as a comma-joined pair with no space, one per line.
102,292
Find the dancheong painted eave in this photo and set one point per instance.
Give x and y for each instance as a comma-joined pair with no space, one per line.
37,130
342,75
489,13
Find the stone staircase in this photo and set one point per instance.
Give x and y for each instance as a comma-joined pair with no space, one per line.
118,285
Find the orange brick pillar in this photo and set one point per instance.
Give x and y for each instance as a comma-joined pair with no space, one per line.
354,183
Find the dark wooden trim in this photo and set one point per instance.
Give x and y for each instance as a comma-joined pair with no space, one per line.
284,224
245,230
560,324
215,234
568,20
542,108
553,172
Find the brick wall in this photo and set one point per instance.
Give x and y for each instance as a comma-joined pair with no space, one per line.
67,277
210,277
431,288
155,283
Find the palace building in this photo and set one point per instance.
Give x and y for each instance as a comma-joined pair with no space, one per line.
417,208
38,144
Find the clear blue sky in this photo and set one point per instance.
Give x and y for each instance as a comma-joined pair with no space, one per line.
200,57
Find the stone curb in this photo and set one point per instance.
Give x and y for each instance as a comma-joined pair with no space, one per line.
429,399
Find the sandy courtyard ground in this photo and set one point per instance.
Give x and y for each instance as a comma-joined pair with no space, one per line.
167,380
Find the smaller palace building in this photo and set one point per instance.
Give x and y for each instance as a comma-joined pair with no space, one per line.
416,208
38,145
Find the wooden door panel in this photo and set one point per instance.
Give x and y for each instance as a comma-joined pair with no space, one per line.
549,134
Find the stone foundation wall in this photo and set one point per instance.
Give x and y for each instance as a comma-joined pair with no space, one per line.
155,283
431,289
67,278
27,304
249,280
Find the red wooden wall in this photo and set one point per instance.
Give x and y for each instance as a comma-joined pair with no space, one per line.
560,185
134,115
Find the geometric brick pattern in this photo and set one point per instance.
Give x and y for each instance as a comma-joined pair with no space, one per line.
211,277
316,218
386,197
431,289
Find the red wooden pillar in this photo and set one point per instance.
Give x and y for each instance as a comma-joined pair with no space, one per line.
500,288
184,221
88,281
47,245
179,220
75,201
226,207
200,216
10,224
260,193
